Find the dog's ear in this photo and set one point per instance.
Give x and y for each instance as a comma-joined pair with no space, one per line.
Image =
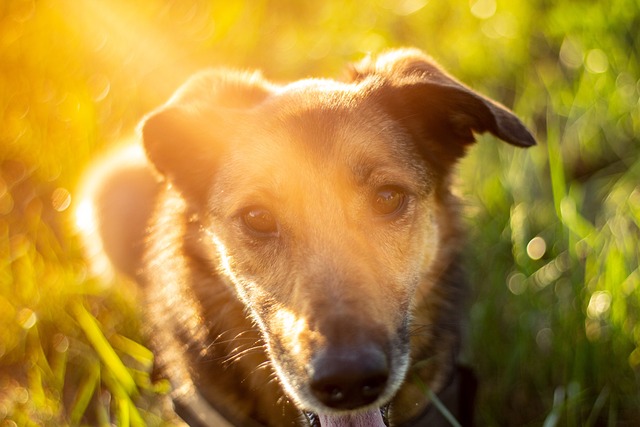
182,147
184,138
442,113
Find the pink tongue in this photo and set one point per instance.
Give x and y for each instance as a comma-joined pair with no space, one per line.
372,418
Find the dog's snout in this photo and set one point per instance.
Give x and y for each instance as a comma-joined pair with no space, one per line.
349,378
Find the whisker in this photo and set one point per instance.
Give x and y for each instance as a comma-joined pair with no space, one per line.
238,354
237,337
229,341
264,365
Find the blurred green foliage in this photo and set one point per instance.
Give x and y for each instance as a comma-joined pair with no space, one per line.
553,245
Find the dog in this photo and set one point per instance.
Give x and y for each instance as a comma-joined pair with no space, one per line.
297,245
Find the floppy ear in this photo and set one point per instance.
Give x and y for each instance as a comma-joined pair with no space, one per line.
442,113
184,138
183,149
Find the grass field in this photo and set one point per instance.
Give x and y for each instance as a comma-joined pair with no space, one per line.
553,247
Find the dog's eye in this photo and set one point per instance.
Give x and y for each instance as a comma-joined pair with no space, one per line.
260,221
388,200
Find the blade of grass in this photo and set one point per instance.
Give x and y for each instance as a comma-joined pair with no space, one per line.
553,418
437,402
124,419
59,359
139,352
443,409
597,407
556,167
84,394
106,352
127,412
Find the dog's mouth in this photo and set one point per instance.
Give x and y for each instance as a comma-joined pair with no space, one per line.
377,417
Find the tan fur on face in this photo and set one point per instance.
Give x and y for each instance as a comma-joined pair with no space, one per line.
296,287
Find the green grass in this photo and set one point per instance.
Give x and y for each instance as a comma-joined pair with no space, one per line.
553,231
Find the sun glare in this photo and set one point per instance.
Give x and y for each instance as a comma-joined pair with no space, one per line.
120,35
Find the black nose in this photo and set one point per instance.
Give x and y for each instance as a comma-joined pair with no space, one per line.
348,378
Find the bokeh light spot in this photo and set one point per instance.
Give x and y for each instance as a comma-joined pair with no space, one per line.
27,318
597,61
517,283
60,343
60,199
571,54
536,248
484,9
502,25
544,338
599,304
409,7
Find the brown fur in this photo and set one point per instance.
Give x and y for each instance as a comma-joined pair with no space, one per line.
242,322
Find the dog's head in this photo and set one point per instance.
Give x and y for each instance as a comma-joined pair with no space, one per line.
319,201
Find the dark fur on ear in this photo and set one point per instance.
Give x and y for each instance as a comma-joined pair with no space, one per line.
183,138
441,112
